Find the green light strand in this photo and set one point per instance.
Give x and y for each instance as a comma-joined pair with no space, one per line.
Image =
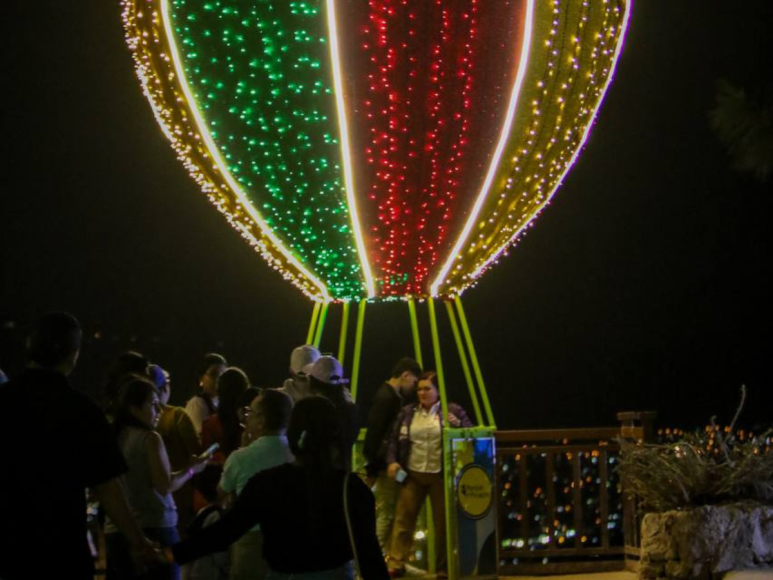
261,78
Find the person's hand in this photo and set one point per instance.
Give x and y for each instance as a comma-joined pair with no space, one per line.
453,420
198,463
168,555
147,553
393,469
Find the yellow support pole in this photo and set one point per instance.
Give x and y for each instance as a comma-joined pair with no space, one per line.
415,332
474,359
358,347
321,323
344,327
463,359
313,323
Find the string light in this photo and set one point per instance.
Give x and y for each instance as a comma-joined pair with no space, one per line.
390,149
564,94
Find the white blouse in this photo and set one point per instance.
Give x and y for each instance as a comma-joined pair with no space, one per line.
426,441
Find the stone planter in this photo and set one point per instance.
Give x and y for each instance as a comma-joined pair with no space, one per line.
704,543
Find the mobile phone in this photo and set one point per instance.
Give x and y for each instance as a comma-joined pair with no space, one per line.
400,476
210,451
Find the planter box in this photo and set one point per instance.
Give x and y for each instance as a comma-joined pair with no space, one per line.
704,543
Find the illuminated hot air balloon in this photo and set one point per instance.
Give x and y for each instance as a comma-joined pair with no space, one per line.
380,149
377,148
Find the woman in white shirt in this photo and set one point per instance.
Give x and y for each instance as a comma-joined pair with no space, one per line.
415,457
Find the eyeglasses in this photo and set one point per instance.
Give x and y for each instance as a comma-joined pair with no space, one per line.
424,389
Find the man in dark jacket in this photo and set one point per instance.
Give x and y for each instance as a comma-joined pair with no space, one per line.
383,411
326,378
58,444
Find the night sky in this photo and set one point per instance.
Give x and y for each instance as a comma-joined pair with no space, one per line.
640,288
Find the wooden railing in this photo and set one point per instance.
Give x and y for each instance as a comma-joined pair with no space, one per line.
562,508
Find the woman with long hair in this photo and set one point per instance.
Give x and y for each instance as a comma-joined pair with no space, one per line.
415,457
223,427
180,440
127,363
301,509
149,482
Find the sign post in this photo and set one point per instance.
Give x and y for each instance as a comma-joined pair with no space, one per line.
469,467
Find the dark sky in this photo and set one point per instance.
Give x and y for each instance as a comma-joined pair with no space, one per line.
641,287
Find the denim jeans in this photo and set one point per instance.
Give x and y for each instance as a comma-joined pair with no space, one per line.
345,572
386,492
121,565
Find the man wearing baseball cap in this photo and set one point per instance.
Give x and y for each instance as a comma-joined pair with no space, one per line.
297,386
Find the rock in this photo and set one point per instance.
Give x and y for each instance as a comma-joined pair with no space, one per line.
706,542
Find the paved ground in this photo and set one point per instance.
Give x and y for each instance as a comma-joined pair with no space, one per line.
596,576
751,575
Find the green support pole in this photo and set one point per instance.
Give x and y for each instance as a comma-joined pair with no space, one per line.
342,340
415,331
474,359
431,552
430,521
438,360
448,477
451,528
313,323
358,347
463,359
321,323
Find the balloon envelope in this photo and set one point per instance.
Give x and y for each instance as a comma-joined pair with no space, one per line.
377,148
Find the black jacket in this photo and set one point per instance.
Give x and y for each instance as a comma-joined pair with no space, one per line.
383,412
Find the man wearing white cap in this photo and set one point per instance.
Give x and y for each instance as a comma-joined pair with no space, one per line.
297,386
326,378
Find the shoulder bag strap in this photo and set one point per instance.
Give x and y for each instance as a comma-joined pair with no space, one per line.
357,569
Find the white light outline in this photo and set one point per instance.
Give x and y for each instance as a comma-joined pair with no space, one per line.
215,153
153,106
503,138
621,39
345,150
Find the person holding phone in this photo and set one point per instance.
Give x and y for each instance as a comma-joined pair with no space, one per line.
415,459
148,483
180,440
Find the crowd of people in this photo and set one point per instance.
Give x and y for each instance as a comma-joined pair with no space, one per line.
241,483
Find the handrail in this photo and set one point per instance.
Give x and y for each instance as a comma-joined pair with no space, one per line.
561,504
